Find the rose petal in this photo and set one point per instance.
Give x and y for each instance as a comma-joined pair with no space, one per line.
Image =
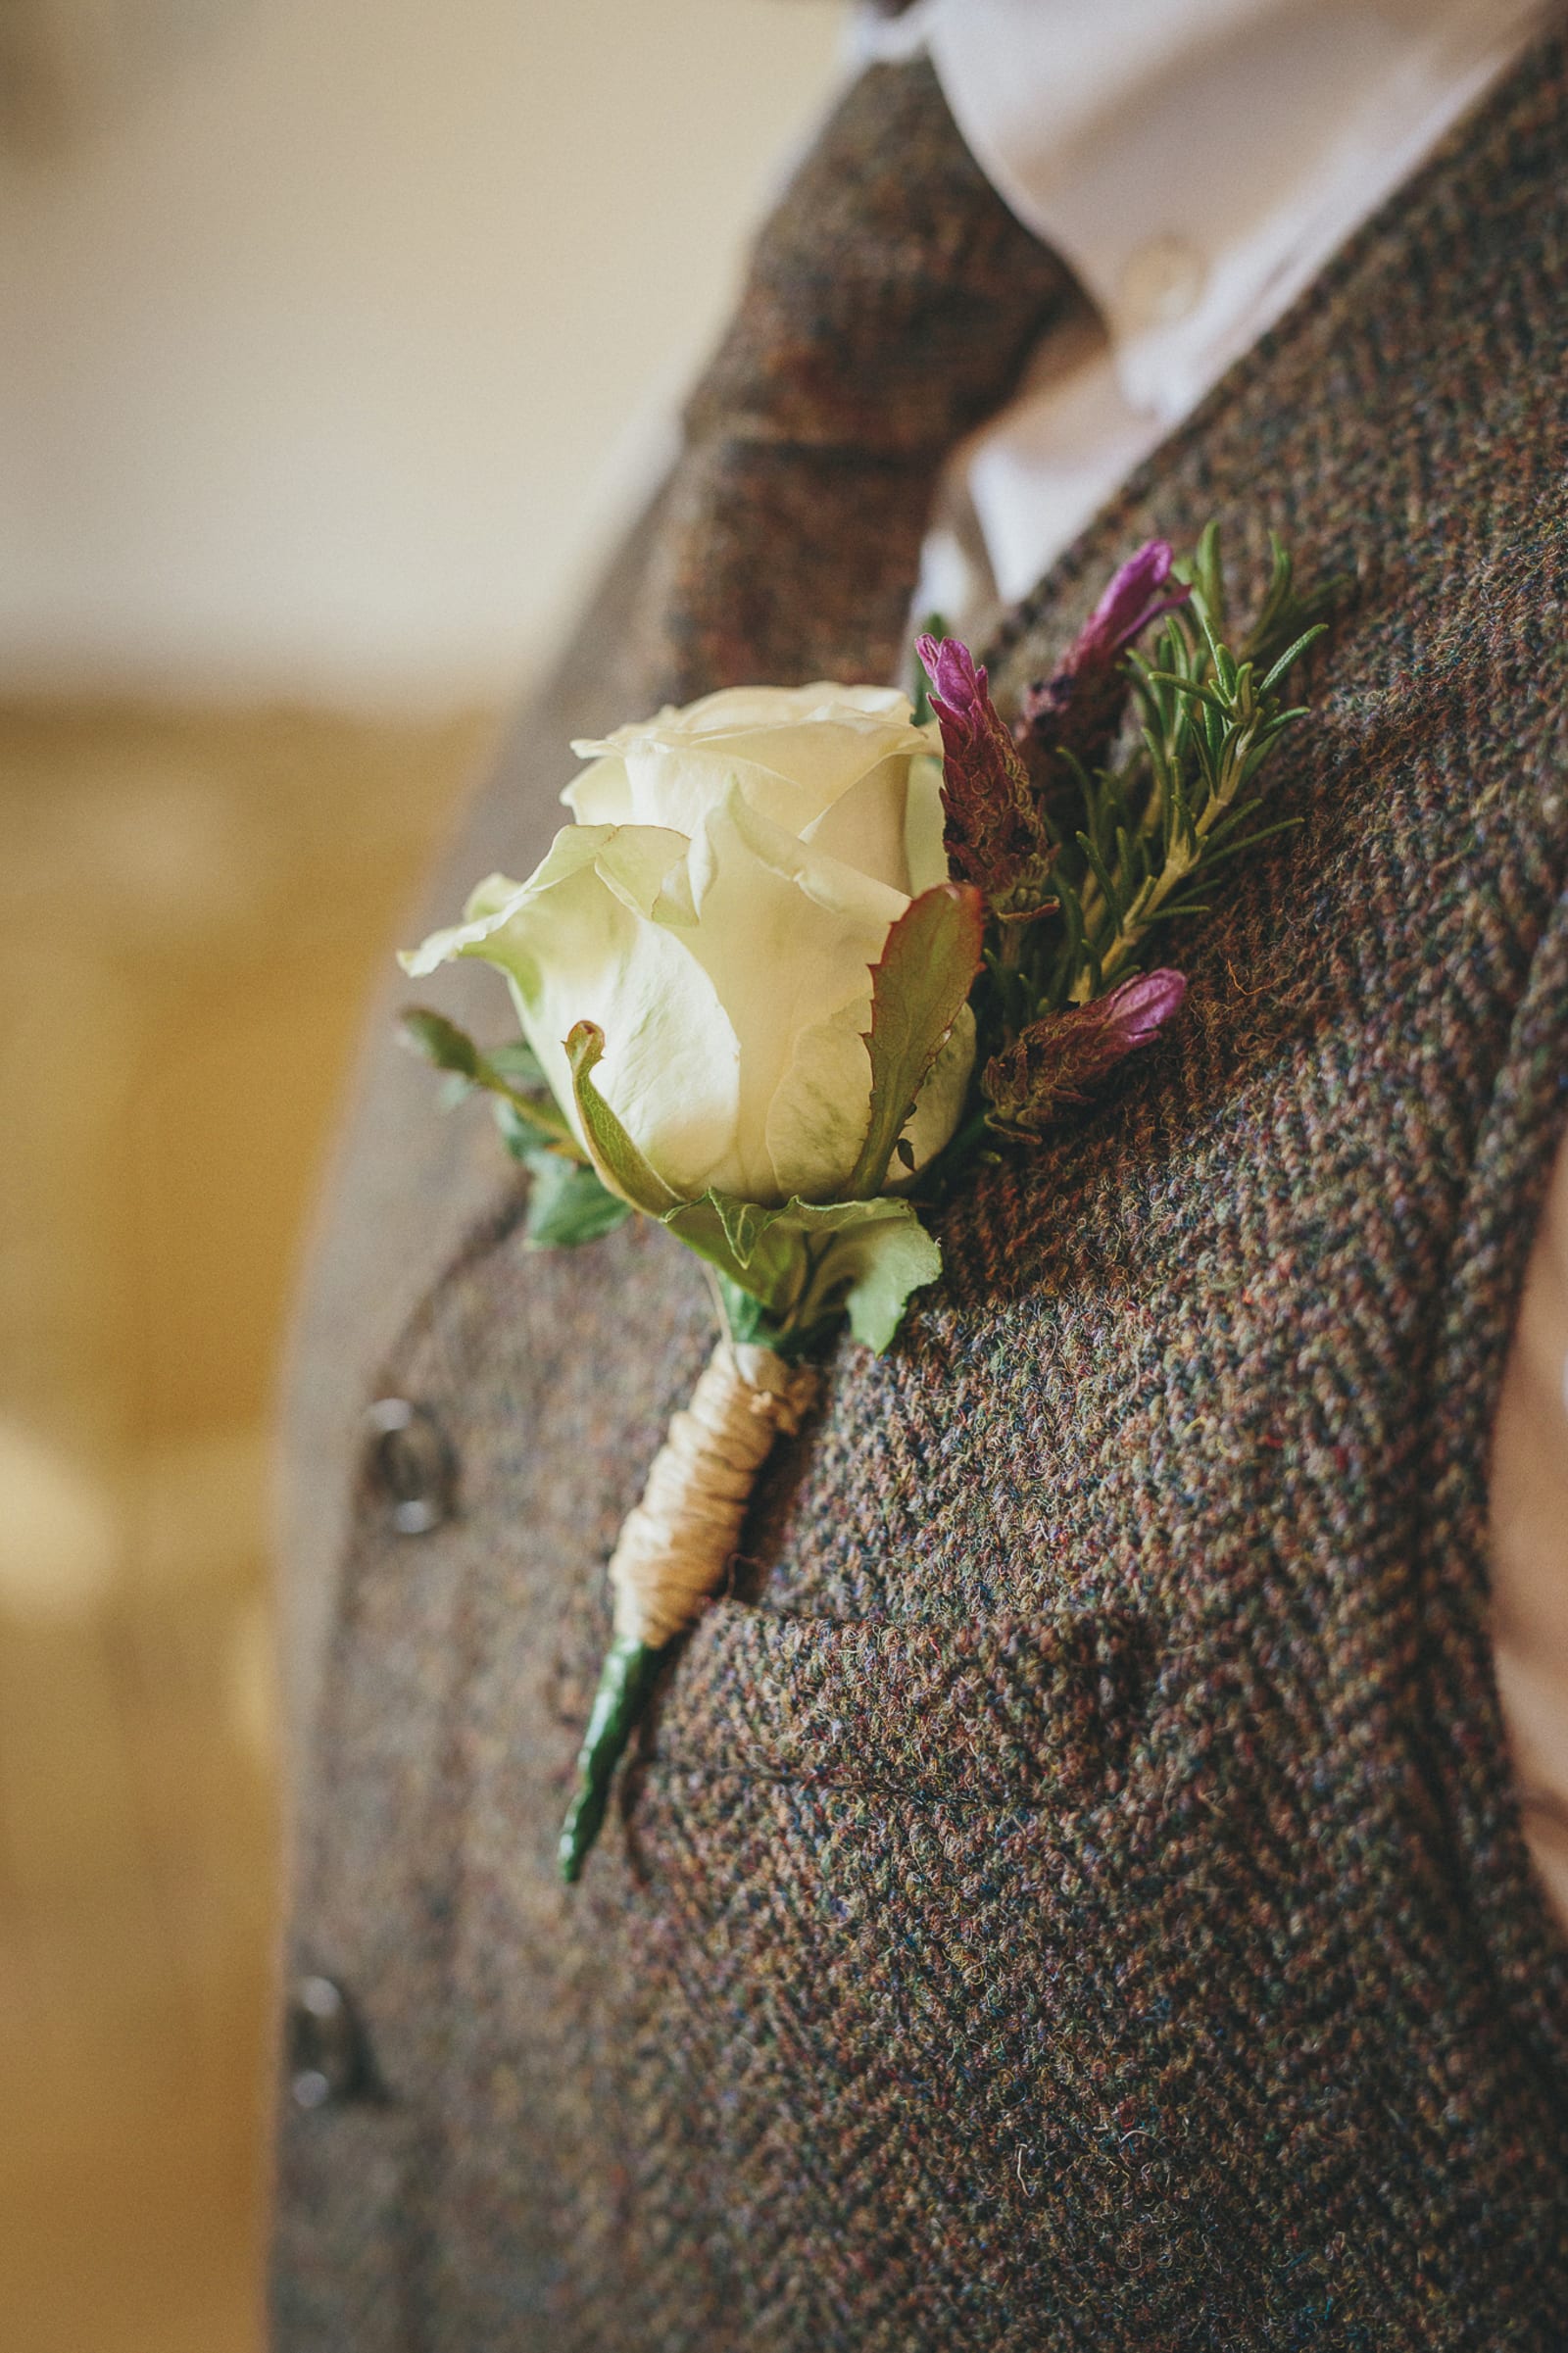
925,849
867,826
788,936
575,946
816,1121
794,751
602,794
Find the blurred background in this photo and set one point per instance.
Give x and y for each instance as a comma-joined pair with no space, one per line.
337,341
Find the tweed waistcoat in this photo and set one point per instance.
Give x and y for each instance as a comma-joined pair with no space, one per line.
1068,1891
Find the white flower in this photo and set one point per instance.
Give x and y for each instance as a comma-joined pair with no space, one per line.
716,910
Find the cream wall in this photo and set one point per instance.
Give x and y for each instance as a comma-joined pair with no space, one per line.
331,360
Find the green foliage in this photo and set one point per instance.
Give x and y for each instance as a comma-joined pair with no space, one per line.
747,1320
872,1270
567,1205
1137,853
918,990
518,1067
620,1165
786,1275
566,1201
519,1135
525,1107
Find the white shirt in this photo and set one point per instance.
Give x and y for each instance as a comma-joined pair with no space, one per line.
1086,115
1197,163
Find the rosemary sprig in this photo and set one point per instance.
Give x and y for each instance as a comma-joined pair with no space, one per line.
1085,838
1186,796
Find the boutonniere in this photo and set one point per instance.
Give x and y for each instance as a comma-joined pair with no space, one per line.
802,954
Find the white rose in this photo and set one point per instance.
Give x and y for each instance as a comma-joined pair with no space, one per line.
716,910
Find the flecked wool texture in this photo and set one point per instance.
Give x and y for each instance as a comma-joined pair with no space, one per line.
1068,1892
892,305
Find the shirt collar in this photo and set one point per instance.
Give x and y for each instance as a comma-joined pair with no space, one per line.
1188,158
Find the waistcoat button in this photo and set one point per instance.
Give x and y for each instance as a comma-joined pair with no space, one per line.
411,1465
328,2059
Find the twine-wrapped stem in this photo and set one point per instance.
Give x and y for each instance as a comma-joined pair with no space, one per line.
674,1546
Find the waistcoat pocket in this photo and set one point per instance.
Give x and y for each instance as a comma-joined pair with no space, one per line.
1012,1711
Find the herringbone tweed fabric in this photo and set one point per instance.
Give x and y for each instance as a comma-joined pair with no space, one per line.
891,306
1069,1894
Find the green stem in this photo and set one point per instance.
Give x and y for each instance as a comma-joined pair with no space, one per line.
625,1683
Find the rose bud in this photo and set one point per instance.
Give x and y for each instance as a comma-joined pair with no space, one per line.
715,912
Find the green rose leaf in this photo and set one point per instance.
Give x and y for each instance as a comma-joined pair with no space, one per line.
519,1133
518,1067
918,990
768,1253
792,1271
567,1205
747,1320
620,1163
870,1271
504,1073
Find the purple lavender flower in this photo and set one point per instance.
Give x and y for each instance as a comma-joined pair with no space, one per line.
995,835
1059,1057
1078,707
1130,1014
960,695
1133,600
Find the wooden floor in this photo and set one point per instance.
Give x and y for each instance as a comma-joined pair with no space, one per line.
191,908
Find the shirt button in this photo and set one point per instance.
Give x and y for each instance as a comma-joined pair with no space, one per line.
327,2058
411,1466
1161,284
